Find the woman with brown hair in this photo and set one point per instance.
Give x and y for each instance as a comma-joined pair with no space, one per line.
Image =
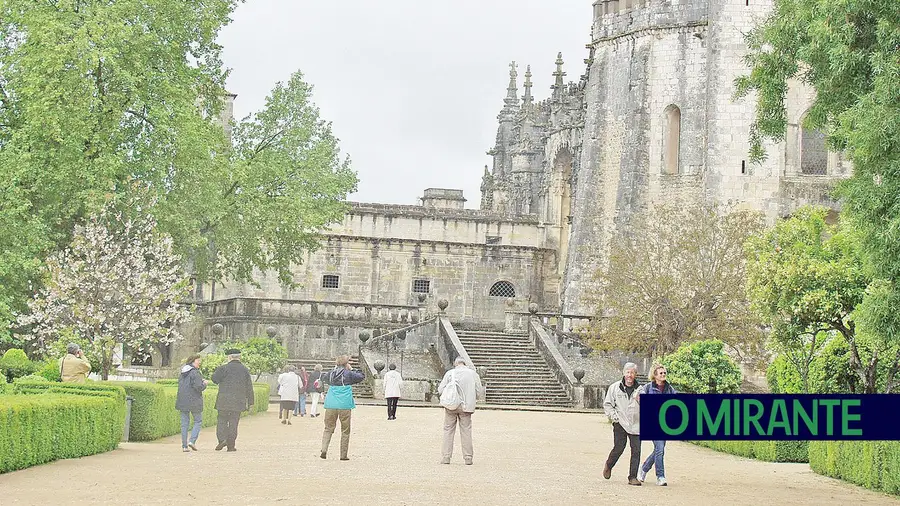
189,401
657,385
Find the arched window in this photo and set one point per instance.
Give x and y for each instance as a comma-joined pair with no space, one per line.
672,140
813,152
502,289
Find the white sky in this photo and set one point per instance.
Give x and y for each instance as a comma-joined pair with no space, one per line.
413,87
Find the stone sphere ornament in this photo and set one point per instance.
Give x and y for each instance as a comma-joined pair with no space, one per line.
270,331
218,328
442,304
379,366
364,336
533,308
422,297
579,375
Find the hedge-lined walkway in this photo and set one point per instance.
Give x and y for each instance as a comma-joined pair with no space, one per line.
520,458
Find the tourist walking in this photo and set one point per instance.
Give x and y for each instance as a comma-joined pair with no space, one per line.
315,385
289,390
339,403
393,381
621,406
657,385
190,401
459,390
235,395
304,384
74,367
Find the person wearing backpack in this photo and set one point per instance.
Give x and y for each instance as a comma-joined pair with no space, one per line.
339,403
315,386
459,390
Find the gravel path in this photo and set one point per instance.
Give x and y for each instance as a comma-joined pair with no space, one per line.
520,458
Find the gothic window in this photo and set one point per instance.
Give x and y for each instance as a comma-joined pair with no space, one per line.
502,289
331,281
672,140
813,153
421,286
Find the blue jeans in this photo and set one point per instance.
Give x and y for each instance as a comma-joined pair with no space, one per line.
186,422
300,409
659,451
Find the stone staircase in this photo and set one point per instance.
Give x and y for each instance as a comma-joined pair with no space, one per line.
360,390
516,373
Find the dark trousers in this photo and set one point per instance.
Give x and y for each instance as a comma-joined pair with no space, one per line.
392,406
227,427
619,439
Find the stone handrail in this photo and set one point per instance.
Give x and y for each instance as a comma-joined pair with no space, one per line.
544,344
449,346
276,310
394,333
519,320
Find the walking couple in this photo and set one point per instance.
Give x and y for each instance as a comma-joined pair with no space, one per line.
622,406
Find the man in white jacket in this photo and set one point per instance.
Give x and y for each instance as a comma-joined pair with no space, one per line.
622,408
392,383
467,386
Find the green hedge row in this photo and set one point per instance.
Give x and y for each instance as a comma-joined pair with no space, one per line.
770,451
872,464
35,429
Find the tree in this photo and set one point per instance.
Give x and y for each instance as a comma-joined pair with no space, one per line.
118,283
805,278
847,52
676,275
703,367
260,354
102,99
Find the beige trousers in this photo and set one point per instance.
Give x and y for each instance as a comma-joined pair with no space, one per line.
331,418
464,420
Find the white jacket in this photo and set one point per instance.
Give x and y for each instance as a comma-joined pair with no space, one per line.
469,383
392,383
622,409
289,386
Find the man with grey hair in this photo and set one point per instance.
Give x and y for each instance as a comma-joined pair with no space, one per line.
622,408
459,390
74,367
235,395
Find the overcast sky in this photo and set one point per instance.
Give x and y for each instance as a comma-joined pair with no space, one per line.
413,87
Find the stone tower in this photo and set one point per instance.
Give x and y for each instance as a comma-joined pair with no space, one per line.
652,120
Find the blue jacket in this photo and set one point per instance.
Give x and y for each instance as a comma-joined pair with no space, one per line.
340,394
190,390
653,389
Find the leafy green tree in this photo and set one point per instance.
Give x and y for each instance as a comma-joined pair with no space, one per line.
703,367
260,354
847,52
210,362
805,279
675,275
15,364
100,100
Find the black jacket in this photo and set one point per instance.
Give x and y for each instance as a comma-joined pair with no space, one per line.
235,387
190,390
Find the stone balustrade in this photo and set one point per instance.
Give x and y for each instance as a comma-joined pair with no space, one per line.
310,310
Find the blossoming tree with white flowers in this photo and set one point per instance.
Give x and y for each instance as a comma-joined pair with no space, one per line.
118,282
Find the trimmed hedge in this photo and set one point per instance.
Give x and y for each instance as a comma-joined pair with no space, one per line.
770,451
872,464
35,429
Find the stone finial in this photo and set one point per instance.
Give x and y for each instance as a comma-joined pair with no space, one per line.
527,100
379,366
512,91
442,304
363,337
533,308
558,86
270,331
218,328
579,375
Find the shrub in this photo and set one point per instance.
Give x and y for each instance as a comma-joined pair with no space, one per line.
16,364
35,429
33,378
770,451
49,370
702,367
210,362
167,382
872,464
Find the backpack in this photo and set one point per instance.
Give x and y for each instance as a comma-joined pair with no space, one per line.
452,396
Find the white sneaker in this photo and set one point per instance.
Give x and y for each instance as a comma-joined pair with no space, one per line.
661,482
642,474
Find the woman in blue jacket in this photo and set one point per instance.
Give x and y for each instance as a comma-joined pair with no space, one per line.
657,385
190,401
339,403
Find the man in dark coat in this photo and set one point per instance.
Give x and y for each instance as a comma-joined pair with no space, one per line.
235,395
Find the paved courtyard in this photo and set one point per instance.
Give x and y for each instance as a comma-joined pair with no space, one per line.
520,458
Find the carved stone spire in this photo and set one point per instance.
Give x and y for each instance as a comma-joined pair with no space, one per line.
559,85
511,102
527,100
